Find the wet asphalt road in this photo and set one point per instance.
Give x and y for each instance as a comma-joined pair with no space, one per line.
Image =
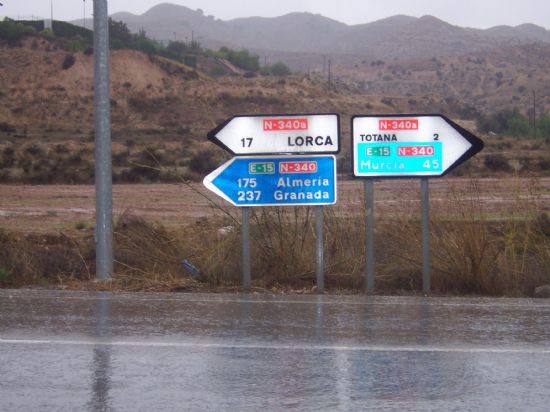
144,352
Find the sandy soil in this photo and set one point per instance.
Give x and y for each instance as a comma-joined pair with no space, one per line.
32,208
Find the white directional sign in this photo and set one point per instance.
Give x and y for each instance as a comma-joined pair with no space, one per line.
279,134
409,145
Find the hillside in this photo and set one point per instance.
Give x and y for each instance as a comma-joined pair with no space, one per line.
162,109
147,92
161,112
478,82
154,93
397,37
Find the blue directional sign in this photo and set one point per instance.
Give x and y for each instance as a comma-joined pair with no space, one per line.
275,181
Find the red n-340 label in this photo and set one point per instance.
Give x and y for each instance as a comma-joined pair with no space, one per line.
277,125
298,167
415,151
398,124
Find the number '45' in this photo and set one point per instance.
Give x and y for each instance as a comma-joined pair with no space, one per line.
431,164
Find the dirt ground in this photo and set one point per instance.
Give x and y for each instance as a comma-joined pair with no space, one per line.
66,208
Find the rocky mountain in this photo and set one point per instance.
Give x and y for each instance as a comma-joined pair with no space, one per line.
397,37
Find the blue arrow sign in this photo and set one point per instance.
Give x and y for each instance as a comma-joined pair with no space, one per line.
275,181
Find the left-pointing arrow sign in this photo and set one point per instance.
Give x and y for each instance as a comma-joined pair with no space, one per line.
279,134
275,180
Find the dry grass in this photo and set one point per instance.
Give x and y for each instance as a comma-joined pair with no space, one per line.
39,259
473,252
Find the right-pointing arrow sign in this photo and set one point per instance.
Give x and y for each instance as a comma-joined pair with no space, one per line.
279,134
409,145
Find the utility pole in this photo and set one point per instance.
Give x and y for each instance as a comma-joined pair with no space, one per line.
329,79
51,14
103,150
84,14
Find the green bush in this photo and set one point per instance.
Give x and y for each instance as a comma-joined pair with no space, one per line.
243,59
518,126
70,31
4,275
12,32
277,69
217,71
77,45
183,52
543,125
510,122
119,35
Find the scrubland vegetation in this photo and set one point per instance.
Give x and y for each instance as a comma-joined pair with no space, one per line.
474,250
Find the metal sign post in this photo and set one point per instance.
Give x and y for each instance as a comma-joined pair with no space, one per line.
319,255
103,162
247,278
369,208
424,183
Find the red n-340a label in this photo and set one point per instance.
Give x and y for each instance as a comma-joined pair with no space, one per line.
398,124
278,125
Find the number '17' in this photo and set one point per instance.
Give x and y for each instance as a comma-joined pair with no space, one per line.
246,141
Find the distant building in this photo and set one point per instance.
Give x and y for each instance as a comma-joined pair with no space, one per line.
48,24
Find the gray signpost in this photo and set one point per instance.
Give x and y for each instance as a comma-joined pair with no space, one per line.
406,146
369,207
300,172
319,254
425,204
247,277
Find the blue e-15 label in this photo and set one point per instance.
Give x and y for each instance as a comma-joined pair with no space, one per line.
399,158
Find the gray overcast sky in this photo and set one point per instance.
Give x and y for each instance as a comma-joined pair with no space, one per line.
466,13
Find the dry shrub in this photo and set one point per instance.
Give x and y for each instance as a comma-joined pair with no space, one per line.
283,249
282,244
39,259
472,254
68,61
145,254
149,257
344,253
203,161
215,246
497,163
